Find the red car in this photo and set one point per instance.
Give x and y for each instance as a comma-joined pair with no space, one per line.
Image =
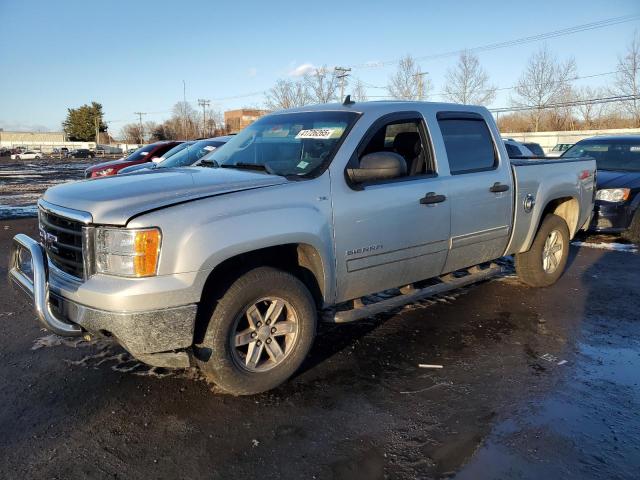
142,155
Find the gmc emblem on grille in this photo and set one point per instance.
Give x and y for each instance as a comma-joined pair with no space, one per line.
49,240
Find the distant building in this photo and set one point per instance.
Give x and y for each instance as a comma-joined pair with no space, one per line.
236,120
42,141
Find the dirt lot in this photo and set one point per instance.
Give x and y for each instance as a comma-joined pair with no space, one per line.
22,182
536,384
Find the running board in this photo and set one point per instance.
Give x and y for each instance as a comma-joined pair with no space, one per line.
449,282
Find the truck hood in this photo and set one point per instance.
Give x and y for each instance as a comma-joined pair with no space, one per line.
114,200
618,179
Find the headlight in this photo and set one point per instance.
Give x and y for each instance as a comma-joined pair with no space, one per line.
615,195
127,252
103,173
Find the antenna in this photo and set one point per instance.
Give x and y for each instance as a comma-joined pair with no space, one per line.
348,101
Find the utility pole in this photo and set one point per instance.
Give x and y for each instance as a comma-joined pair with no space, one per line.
95,121
184,104
204,104
419,76
342,74
140,121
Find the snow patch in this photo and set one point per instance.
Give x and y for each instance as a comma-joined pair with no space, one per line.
617,247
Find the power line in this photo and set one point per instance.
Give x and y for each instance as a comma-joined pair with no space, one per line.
482,48
514,42
572,103
509,43
512,87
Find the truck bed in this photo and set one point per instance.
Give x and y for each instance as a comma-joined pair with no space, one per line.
573,180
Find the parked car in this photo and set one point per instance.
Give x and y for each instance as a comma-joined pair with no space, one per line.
516,149
535,148
142,155
156,160
225,266
617,206
28,155
559,149
185,157
80,153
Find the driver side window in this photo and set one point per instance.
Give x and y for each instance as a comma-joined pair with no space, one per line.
404,138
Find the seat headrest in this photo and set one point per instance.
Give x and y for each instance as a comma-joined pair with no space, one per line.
407,144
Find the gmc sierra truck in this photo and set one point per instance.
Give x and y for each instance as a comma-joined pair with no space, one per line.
229,265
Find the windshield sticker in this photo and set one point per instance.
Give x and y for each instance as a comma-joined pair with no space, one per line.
277,131
316,133
209,148
303,164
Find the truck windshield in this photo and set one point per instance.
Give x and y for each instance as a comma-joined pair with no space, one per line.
290,144
609,155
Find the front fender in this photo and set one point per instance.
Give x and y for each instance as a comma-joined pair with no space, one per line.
200,235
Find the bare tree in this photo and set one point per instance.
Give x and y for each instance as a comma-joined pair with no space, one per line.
544,82
185,120
589,113
627,80
131,133
322,84
359,91
409,83
287,94
468,82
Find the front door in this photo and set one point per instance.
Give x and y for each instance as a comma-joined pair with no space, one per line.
391,233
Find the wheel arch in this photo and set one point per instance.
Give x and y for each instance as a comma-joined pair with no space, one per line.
302,260
567,208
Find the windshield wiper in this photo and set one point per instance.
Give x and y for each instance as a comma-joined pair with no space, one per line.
262,167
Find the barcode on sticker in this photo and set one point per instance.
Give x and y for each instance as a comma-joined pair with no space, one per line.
317,133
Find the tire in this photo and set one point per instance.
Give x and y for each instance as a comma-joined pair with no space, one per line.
633,233
531,267
260,289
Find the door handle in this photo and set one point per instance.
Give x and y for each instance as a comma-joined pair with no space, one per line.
431,198
498,187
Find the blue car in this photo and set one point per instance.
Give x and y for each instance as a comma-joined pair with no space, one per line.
617,206
189,154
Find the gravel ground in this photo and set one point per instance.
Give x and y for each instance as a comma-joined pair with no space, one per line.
22,182
535,383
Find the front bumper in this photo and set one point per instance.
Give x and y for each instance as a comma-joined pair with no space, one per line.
611,217
157,337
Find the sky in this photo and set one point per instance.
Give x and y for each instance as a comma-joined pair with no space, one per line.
133,55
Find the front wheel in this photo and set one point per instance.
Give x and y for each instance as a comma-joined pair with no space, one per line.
259,333
633,233
546,260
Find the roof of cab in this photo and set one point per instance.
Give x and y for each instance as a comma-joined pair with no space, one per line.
379,106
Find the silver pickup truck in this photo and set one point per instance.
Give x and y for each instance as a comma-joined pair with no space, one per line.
226,266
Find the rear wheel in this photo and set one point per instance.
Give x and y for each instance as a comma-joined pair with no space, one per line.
259,333
545,261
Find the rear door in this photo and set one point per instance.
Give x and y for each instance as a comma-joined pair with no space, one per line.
480,190
386,233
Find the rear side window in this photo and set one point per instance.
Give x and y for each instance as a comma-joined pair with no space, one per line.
468,143
512,150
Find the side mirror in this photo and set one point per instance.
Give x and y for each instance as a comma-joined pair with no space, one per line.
378,166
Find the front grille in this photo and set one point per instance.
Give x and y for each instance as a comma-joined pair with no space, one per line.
62,239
